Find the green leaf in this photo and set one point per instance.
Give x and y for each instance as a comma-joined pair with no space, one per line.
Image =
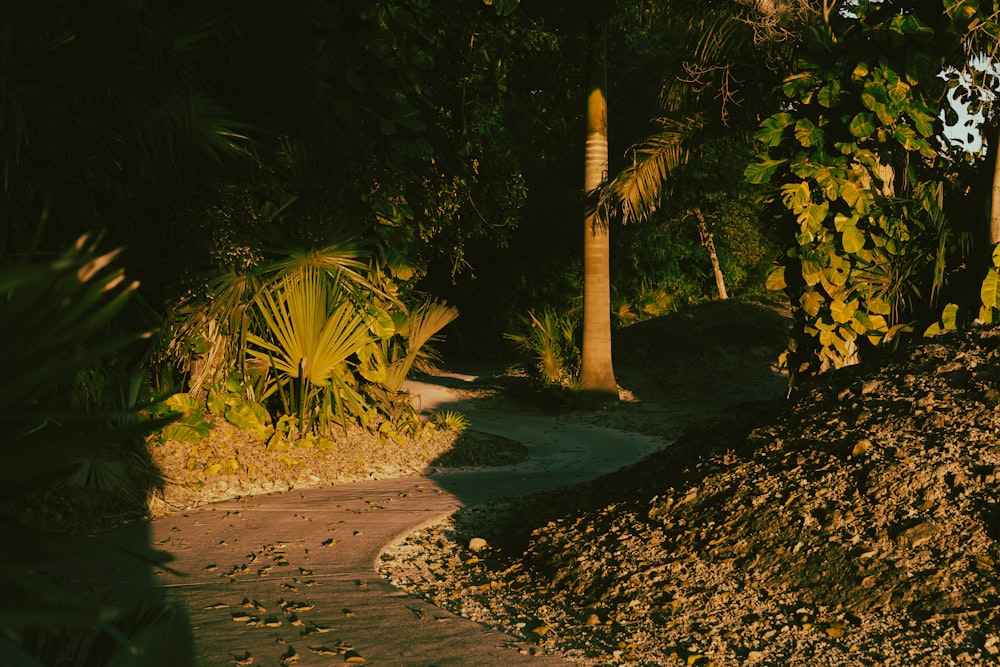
216,401
797,85
772,130
808,134
922,121
829,94
909,24
796,196
854,239
776,279
862,125
503,7
876,99
761,171
909,138
989,290
191,429
251,416
897,89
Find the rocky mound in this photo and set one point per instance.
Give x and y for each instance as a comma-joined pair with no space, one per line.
857,525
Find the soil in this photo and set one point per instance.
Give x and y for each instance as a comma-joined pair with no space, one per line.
855,523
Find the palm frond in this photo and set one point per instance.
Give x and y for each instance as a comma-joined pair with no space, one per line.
639,188
56,317
419,328
345,260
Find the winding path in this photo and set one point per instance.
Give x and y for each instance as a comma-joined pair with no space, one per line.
290,578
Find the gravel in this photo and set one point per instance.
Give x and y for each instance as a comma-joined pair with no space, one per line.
854,524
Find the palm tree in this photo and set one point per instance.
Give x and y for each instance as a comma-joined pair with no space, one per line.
597,374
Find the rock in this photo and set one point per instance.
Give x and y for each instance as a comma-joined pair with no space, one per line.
477,544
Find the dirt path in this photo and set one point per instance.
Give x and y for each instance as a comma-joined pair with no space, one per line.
290,578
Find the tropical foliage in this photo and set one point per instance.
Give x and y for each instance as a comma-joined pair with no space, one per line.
58,314
550,342
859,178
313,339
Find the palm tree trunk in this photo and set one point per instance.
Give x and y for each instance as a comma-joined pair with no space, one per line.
597,374
995,200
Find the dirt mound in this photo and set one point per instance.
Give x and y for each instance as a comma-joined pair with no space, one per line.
856,526
698,351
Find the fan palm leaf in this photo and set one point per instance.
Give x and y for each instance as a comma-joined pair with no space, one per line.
419,328
311,333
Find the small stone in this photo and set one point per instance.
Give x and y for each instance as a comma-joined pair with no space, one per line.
862,447
477,544
593,619
353,657
917,535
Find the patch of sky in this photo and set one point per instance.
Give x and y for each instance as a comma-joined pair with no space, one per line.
971,99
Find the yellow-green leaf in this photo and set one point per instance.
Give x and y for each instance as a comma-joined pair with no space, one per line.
988,290
808,134
862,125
811,303
854,239
813,216
843,312
776,279
252,417
829,94
761,171
772,130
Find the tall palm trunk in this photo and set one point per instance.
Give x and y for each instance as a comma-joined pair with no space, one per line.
995,200
597,374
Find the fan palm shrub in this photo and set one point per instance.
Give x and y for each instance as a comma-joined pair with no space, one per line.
321,337
551,344
57,316
310,332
